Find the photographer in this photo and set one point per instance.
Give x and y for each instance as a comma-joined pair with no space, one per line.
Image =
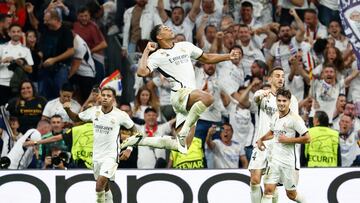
57,160
15,62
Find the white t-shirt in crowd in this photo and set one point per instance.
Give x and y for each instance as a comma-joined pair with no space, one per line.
320,32
231,76
251,53
82,51
326,95
54,107
164,89
268,108
354,89
175,64
20,158
147,156
213,112
296,86
185,28
227,156
106,130
16,51
291,125
213,19
349,149
240,119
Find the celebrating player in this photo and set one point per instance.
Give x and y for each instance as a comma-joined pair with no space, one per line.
107,120
284,164
173,61
266,101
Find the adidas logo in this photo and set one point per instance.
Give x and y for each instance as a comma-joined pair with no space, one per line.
107,172
293,186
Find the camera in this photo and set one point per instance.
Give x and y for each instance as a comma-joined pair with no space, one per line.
63,157
218,128
13,65
4,162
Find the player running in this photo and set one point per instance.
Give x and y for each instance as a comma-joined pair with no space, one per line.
287,129
173,61
266,102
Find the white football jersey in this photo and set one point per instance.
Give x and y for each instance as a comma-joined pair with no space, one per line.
267,108
106,130
175,64
290,125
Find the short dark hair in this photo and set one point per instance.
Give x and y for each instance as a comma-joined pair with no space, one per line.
246,4
274,69
154,33
237,47
209,26
322,117
329,65
83,9
15,25
283,92
310,10
150,109
67,87
261,64
56,116
113,91
228,124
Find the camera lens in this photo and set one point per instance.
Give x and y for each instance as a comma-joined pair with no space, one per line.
56,160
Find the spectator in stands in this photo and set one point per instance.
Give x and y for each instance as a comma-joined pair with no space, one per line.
82,72
335,32
138,22
57,128
194,159
353,82
332,55
340,106
32,22
227,152
179,21
55,106
20,156
32,44
16,61
147,156
57,46
9,140
349,110
143,100
314,29
326,91
56,159
164,89
298,77
350,150
3,29
90,32
15,9
324,148
299,5
205,34
28,107
214,13
246,13
65,11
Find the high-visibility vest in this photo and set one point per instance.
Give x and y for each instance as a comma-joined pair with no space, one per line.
82,145
322,151
192,160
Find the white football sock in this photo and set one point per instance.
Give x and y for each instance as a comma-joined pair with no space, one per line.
108,197
166,142
255,193
100,197
275,196
193,116
266,199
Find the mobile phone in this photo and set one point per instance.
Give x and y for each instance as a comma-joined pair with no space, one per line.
218,128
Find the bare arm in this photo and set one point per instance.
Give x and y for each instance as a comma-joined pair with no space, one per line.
244,161
225,98
352,76
143,70
216,58
73,116
268,136
244,97
67,54
195,10
298,3
99,47
301,31
200,32
295,140
164,17
75,64
211,144
32,18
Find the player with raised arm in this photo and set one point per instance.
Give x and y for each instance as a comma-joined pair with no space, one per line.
286,129
173,61
107,120
266,102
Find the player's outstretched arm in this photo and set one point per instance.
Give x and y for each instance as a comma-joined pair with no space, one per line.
292,140
216,58
73,116
143,70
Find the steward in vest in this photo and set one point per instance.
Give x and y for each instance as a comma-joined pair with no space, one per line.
324,148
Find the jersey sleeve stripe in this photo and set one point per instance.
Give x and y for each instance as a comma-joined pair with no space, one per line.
200,55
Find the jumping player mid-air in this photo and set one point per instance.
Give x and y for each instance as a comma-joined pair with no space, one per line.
173,61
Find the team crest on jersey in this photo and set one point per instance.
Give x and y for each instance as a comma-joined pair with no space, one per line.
112,121
182,49
39,106
97,114
22,103
164,53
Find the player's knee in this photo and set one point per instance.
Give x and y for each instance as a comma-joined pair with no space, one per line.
291,195
268,191
207,99
254,180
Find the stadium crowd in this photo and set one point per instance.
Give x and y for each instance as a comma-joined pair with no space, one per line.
59,51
